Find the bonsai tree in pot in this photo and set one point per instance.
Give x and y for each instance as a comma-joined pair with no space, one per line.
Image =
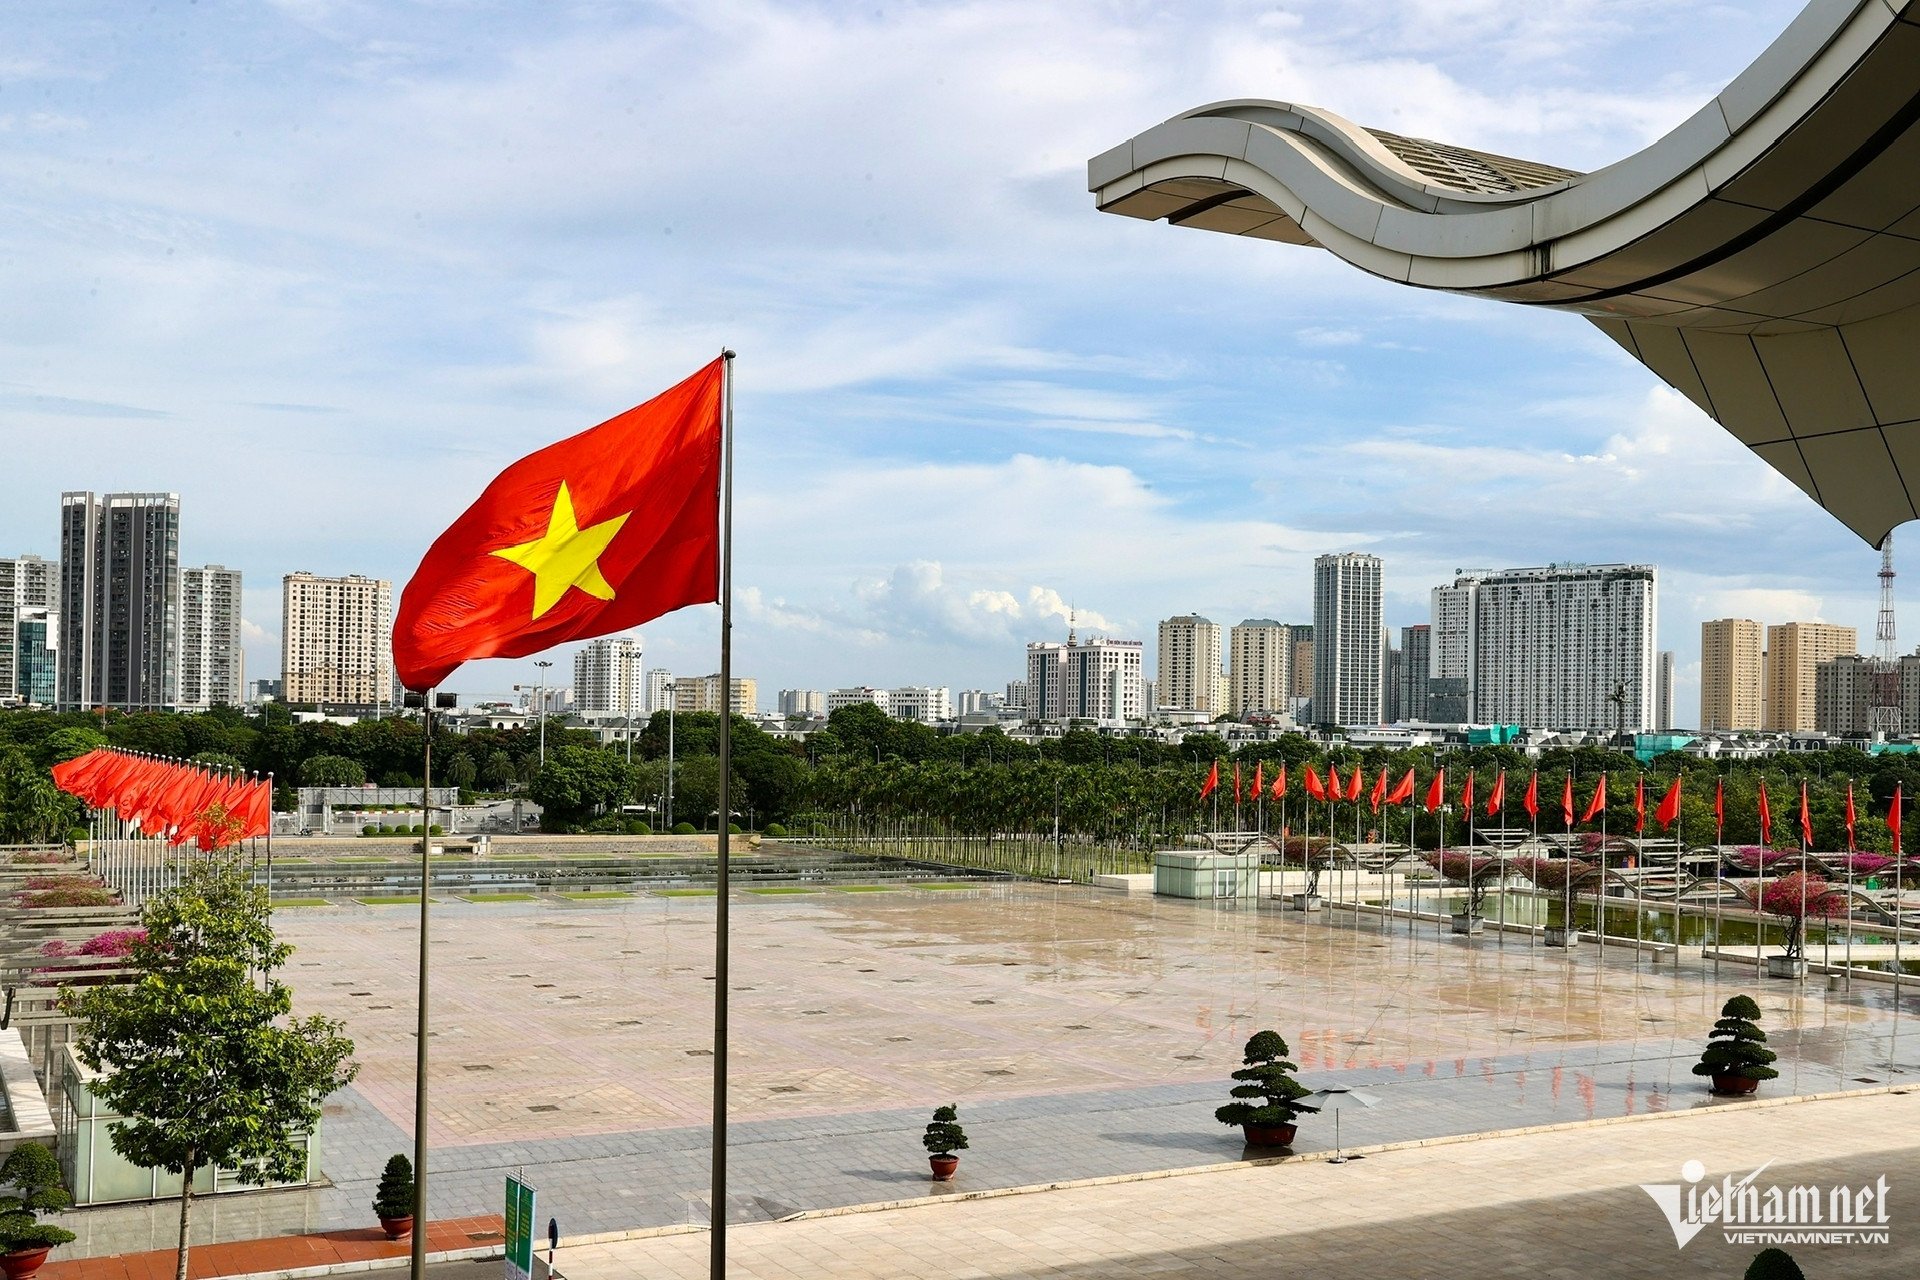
1736,1055
1312,855
35,1177
1478,873
1267,1076
1558,878
1795,899
943,1137
393,1199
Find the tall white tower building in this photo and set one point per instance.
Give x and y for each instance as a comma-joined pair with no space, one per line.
1260,666
607,678
212,665
1189,676
1346,639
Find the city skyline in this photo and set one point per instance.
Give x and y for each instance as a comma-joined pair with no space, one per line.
987,383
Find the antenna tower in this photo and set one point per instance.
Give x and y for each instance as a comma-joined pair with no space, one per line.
1883,714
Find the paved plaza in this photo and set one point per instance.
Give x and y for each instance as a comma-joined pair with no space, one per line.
1082,1033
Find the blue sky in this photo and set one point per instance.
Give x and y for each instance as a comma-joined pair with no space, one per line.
324,268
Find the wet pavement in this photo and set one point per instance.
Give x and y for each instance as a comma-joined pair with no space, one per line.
1082,1033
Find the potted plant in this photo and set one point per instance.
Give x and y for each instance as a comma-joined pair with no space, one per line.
1312,855
35,1177
1478,873
1555,877
393,1199
1267,1076
1736,1055
1795,899
943,1137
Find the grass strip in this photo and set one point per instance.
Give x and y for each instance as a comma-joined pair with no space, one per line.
865,888
394,900
684,893
588,895
495,897
300,902
775,889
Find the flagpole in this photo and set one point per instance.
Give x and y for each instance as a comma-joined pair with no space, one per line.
717,1238
417,1260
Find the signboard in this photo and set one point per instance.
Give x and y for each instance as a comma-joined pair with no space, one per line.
519,1217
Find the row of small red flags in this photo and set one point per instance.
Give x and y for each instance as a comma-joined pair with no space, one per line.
1386,792
170,798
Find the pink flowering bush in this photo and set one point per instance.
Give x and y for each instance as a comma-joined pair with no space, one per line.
1796,899
1861,864
64,891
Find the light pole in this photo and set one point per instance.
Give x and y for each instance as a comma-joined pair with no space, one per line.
541,710
671,699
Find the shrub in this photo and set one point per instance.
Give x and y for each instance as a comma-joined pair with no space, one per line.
38,858
1477,872
944,1136
774,831
638,828
65,891
1796,899
394,1196
35,1177
733,828
684,829
1267,1076
1774,1264
1737,1046
369,830
385,830
436,830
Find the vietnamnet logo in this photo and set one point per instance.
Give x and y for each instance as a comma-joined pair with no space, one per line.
1746,1213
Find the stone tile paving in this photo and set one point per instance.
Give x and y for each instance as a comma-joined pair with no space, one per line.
1566,1205
1081,1033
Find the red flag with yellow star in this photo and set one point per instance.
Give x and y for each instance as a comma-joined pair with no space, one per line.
598,533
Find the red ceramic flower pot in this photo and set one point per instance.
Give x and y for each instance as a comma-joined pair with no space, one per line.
21,1264
943,1167
1733,1085
1269,1135
397,1227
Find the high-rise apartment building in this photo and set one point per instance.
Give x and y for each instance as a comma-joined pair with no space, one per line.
1416,655
973,702
608,679
1843,690
1567,646
1346,639
26,583
1189,676
659,690
1392,678
119,600
802,702
1730,666
1663,692
1259,667
212,663
1094,679
36,655
702,693
336,640
1016,694
1300,665
1795,651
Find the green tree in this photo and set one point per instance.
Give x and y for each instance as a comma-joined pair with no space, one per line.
497,774
332,771
201,1054
461,772
576,783
65,744
219,760
32,809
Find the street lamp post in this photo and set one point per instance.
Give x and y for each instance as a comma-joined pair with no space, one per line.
540,709
671,699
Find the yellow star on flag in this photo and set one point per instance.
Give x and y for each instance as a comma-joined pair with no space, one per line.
565,555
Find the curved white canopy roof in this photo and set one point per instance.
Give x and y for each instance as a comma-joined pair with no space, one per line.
1763,258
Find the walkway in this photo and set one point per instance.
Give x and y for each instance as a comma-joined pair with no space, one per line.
280,1253
1559,1204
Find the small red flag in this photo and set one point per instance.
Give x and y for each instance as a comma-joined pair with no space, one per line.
1437,792
1532,802
1893,820
1402,792
1280,781
598,533
1719,810
1850,815
1639,804
1597,805
1236,782
1335,787
1766,816
1497,798
1380,789
1315,789
1806,818
1566,802
1259,780
1669,809
1466,794
1355,783
1213,780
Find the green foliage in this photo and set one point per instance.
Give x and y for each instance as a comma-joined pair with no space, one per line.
1774,1264
576,783
1267,1076
1737,1046
774,831
944,1136
636,827
332,771
220,760
201,1053
684,829
369,830
32,809
65,744
34,1175
394,1196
